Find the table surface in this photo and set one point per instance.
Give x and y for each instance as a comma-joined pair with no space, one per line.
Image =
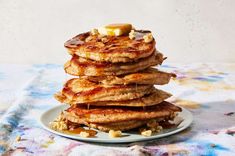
207,90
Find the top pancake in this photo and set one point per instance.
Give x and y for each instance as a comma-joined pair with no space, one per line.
110,48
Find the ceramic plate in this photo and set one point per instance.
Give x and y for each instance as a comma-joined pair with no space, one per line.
103,137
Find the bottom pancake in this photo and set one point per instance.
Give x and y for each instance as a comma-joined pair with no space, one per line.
111,114
124,125
119,126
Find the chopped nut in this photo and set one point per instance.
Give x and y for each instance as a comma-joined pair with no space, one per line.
58,125
148,38
94,31
146,133
18,138
132,34
84,134
157,129
115,134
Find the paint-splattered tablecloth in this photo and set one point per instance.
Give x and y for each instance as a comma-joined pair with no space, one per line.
207,90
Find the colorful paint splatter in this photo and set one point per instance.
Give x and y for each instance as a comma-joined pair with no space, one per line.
207,90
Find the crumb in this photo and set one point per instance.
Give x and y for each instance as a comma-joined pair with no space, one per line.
115,134
18,138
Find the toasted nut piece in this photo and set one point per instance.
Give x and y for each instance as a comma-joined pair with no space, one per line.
146,133
18,138
132,34
84,134
94,31
115,29
156,129
148,38
58,125
115,134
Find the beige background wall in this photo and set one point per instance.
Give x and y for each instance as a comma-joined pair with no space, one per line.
186,30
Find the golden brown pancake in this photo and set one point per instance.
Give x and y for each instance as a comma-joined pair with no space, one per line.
79,66
147,76
112,114
155,97
110,48
78,90
122,126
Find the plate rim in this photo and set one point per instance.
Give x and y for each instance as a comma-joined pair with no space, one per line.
115,140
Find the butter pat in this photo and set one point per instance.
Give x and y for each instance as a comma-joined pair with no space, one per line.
115,29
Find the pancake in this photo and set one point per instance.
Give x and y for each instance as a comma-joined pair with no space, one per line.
126,125
155,97
122,126
147,76
78,90
112,114
110,48
80,66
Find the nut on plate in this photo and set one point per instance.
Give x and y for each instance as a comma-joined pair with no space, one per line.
115,134
58,125
84,134
18,138
146,133
115,29
148,38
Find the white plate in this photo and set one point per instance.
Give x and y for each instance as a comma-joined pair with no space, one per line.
103,137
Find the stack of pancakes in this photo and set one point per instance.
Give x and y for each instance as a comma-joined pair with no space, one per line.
114,88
